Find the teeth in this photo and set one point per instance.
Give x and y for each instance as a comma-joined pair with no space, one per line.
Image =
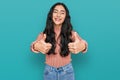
57,19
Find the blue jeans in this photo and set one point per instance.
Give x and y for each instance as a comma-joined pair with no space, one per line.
62,73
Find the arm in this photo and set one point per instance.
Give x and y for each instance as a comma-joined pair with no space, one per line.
86,46
33,43
40,45
84,42
78,44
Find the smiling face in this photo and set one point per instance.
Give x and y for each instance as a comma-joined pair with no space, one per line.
59,14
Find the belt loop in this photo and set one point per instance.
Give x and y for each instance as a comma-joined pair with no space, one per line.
63,68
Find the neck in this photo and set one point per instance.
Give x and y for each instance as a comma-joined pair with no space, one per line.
57,26
57,29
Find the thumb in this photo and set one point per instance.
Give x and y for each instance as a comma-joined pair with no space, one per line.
44,36
76,37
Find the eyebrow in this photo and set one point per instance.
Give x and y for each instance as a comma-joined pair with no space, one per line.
60,10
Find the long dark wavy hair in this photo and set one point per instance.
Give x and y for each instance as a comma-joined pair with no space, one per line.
65,34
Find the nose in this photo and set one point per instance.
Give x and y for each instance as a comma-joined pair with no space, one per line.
58,14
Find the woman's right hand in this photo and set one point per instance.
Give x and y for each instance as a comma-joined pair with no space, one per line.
42,46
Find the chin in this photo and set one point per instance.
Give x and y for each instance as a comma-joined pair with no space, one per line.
57,23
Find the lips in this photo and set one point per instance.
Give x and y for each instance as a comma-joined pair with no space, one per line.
57,19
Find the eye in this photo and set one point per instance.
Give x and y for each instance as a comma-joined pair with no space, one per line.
54,11
62,13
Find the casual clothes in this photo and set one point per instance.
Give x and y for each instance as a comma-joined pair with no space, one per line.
56,61
62,73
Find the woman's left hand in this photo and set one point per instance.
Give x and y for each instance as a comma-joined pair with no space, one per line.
76,46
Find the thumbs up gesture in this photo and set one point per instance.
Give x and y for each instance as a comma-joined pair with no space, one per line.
42,46
76,46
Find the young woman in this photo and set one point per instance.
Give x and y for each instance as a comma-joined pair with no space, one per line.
57,42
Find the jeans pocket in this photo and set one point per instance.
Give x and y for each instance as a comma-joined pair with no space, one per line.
69,70
68,74
47,71
49,74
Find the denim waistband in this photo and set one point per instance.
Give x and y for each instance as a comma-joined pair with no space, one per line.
66,67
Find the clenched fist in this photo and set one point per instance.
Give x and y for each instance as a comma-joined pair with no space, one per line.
42,46
76,46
